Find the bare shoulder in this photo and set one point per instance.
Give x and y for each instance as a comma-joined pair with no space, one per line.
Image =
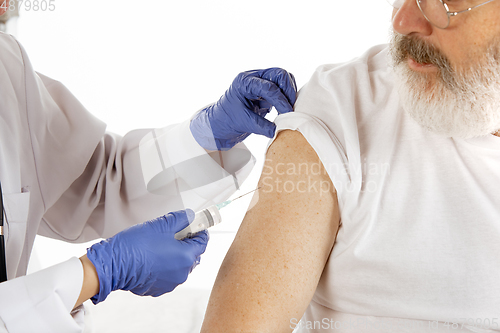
292,173
291,143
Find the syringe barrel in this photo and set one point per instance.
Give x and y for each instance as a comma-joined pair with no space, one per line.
203,220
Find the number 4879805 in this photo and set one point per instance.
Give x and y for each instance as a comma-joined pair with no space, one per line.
29,5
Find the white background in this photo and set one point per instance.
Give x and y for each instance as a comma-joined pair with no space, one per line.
151,63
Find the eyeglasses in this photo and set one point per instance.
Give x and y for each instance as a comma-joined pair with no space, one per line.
437,12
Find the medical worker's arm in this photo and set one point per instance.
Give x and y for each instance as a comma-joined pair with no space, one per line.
100,189
273,267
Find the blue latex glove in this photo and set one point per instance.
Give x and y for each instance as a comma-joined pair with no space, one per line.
146,258
242,109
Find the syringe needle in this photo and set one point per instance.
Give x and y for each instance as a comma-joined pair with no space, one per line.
205,219
245,194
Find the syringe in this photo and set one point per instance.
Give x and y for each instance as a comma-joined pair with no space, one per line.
206,218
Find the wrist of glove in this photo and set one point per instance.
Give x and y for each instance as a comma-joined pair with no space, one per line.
242,109
146,258
208,132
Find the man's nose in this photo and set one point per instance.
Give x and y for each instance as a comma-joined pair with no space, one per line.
409,20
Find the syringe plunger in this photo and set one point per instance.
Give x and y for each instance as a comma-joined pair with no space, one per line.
203,220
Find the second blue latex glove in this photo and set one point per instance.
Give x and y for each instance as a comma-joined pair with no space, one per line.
242,109
146,258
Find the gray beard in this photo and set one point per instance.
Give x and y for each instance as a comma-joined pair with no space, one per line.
461,105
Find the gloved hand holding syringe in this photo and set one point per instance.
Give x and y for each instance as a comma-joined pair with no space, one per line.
206,218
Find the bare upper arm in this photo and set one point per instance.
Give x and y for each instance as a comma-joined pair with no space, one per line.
273,267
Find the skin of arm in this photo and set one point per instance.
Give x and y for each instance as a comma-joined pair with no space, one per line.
271,271
90,285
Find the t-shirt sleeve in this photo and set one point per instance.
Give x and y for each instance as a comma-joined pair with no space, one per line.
329,131
324,142
336,111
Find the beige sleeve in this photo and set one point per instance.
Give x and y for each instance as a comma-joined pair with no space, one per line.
92,182
273,267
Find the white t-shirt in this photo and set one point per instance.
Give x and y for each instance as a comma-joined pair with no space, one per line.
420,213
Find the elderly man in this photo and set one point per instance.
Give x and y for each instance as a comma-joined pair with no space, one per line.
397,228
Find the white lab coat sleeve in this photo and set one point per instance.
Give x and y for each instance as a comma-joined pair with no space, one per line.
48,296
